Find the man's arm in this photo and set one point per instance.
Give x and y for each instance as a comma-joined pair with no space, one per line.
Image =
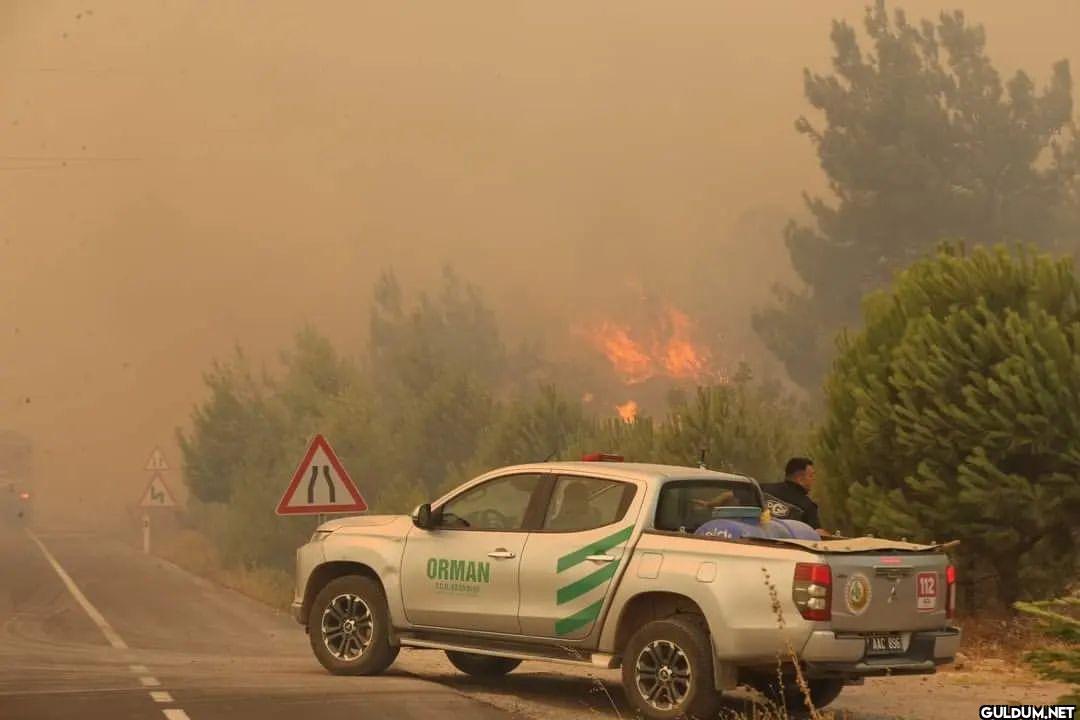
717,501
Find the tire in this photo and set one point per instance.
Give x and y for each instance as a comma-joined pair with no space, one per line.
667,670
822,692
359,647
483,666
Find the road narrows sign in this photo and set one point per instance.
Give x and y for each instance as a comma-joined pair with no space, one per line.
156,461
157,494
320,485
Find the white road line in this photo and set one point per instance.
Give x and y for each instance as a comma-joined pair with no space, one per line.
106,629
114,639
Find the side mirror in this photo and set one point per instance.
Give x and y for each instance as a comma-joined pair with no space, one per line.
422,517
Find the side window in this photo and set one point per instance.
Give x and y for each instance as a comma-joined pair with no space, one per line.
499,504
580,503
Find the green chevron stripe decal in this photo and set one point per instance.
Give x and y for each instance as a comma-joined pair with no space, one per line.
596,578
587,583
600,546
579,619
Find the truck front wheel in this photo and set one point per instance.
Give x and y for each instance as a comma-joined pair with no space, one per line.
667,669
349,627
484,666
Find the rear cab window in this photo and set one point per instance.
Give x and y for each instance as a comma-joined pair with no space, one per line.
686,505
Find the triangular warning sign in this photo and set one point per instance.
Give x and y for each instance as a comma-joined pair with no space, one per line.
156,461
320,485
157,494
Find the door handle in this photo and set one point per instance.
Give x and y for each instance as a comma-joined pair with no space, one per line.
500,553
601,558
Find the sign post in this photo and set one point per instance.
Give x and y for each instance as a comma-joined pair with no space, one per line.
157,493
320,485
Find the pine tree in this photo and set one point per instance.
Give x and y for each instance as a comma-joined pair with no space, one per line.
1059,621
532,428
743,426
434,368
922,141
237,421
955,413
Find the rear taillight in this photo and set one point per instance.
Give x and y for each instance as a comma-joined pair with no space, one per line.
950,591
812,591
24,496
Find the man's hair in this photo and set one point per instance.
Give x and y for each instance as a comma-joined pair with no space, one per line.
796,465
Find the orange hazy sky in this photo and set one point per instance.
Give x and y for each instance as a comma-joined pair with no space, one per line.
177,177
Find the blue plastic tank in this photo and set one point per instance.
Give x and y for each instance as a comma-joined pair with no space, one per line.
734,523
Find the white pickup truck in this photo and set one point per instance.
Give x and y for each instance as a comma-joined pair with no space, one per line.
598,563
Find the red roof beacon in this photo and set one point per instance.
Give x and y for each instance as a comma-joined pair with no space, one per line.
601,457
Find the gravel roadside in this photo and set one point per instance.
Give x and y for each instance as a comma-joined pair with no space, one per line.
552,691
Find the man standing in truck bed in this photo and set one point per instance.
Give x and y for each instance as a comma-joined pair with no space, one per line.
793,493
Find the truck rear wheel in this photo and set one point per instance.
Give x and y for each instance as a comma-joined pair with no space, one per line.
349,627
481,665
667,669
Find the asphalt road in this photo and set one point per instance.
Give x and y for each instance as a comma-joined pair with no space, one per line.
149,641
158,642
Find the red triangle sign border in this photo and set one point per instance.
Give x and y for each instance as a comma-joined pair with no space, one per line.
317,443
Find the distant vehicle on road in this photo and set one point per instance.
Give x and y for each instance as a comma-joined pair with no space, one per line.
16,478
675,574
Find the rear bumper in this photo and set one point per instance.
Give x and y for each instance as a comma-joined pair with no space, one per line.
831,654
296,609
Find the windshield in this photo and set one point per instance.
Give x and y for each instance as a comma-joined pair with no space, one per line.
687,504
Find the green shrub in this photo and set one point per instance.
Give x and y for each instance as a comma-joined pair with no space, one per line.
955,413
1059,620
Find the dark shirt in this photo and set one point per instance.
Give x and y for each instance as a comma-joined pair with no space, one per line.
795,503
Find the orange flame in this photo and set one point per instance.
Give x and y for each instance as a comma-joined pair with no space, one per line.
625,355
680,357
628,411
671,351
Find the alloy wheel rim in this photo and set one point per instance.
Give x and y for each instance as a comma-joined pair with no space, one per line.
662,674
347,627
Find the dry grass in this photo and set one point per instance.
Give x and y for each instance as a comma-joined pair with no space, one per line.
196,554
1000,637
777,711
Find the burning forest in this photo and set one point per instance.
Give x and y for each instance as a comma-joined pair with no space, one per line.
646,357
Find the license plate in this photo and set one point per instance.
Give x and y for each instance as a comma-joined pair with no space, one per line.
884,644
926,591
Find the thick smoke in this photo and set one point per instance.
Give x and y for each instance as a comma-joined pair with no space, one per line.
178,177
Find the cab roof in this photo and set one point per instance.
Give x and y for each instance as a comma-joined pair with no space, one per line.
638,471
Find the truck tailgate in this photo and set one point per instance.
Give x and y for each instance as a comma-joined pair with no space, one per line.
880,592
